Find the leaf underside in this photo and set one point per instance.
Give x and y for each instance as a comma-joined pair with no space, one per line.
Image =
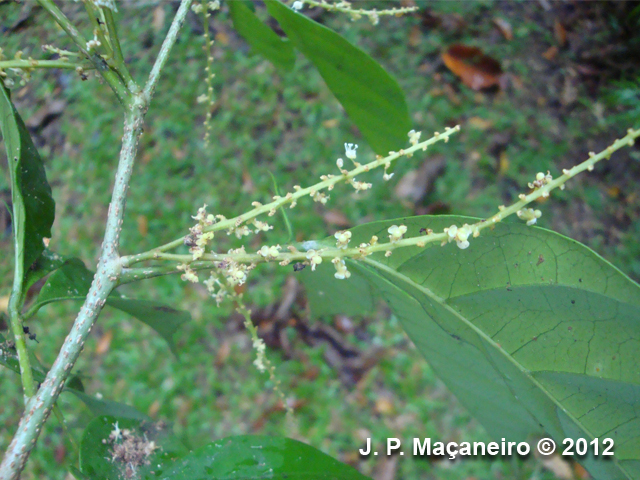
532,331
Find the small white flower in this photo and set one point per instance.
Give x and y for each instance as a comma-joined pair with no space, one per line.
341,269
387,176
530,215
414,137
396,232
340,163
297,5
314,259
342,238
350,149
461,236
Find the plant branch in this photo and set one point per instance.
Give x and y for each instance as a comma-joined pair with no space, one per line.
163,55
212,260
39,406
29,64
110,76
328,182
118,58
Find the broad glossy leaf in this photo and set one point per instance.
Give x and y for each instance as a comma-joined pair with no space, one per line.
33,205
154,448
259,457
370,96
261,38
532,331
73,280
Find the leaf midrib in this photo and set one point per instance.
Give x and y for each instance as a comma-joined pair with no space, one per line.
427,292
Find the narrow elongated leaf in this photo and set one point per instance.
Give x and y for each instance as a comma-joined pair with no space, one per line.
137,449
370,96
261,38
532,331
33,205
73,280
259,457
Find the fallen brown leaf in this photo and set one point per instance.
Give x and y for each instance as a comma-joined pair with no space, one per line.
479,123
154,408
384,405
143,225
559,33
415,184
46,114
550,53
223,353
504,27
415,36
337,218
104,342
476,70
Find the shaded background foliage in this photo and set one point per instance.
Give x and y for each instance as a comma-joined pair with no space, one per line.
570,87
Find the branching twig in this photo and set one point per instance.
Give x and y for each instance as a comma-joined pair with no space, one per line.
39,406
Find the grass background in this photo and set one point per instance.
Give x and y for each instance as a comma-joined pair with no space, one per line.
548,117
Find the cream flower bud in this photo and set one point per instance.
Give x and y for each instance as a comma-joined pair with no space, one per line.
396,232
461,236
297,5
529,215
414,137
342,238
314,259
341,269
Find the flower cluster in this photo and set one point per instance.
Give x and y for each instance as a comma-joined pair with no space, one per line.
344,6
197,239
530,215
396,232
342,238
314,259
460,235
341,268
540,181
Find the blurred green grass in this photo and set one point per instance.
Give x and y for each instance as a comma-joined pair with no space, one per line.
289,124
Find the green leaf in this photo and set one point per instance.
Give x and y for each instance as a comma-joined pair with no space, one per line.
108,407
33,205
46,263
97,449
9,359
261,38
72,282
327,298
259,457
532,331
370,96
